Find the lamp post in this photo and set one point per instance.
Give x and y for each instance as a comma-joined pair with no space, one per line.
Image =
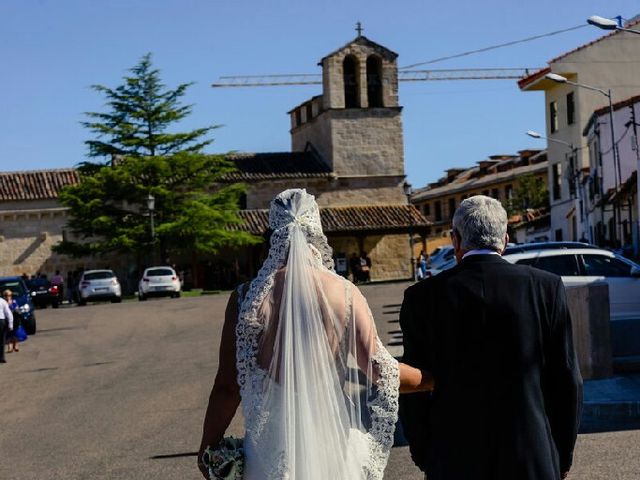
574,174
609,24
151,206
616,158
408,190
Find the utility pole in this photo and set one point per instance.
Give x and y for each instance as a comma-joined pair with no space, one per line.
636,237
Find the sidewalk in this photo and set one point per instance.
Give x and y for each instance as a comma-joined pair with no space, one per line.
611,404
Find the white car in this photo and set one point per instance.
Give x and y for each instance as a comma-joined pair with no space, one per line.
159,282
99,285
440,256
581,266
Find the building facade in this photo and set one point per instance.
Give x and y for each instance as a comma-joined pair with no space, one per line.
612,192
498,176
610,62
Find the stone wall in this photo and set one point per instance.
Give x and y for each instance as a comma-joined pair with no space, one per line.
337,192
367,142
389,254
26,238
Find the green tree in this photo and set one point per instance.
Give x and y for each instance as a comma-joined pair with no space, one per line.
531,192
108,207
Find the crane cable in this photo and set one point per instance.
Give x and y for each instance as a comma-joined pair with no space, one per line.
493,47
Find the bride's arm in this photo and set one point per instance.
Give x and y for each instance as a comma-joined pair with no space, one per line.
411,379
414,380
225,394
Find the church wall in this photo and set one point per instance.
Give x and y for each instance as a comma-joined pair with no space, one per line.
389,254
367,142
317,132
337,192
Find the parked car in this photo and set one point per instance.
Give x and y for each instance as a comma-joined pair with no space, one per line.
159,282
587,265
452,262
99,285
22,296
440,256
527,247
44,293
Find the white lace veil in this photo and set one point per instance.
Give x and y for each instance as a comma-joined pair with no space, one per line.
319,392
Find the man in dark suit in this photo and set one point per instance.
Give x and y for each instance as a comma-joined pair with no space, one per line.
497,339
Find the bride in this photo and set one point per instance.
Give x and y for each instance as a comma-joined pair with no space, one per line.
300,352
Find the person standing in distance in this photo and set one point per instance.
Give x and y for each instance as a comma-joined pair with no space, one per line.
6,325
497,338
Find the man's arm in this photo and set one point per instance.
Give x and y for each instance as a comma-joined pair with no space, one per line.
563,383
413,406
8,315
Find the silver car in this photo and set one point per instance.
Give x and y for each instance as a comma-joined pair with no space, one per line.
159,282
96,285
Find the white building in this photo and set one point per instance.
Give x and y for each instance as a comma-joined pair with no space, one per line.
610,62
611,192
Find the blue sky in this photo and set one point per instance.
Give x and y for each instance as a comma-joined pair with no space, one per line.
53,50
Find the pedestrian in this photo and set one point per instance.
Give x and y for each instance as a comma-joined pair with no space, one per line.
58,281
365,267
12,338
497,338
6,325
354,266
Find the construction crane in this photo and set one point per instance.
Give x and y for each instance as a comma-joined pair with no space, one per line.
235,81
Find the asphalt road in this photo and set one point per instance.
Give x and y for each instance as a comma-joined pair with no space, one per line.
118,392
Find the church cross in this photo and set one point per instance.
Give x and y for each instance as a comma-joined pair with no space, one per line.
359,29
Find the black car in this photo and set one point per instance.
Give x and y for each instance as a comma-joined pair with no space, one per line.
44,293
22,296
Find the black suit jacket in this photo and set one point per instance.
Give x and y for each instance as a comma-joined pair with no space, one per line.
508,393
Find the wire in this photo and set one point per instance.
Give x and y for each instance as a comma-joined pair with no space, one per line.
493,47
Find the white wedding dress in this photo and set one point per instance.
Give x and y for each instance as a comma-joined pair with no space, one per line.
319,391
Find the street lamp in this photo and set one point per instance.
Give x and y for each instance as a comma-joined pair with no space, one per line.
408,190
609,24
151,206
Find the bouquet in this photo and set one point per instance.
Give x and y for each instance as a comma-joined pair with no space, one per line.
226,461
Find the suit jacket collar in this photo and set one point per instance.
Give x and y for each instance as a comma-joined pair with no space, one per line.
489,258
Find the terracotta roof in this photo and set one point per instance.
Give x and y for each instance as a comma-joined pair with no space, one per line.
261,166
605,111
347,219
472,179
524,82
35,185
46,184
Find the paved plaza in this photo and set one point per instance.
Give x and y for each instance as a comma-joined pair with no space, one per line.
119,391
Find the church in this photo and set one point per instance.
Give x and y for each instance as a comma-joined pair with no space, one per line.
346,149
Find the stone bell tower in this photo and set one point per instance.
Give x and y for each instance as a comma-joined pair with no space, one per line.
355,126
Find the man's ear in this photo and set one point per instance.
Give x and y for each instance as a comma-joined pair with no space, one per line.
506,242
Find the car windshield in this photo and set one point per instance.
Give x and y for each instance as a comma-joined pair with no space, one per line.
98,275
16,286
160,272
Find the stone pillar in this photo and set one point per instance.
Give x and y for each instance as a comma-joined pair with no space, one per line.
589,307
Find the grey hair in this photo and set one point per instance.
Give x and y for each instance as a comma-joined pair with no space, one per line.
481,223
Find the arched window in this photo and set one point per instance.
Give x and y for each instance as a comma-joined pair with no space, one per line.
374,81
350,78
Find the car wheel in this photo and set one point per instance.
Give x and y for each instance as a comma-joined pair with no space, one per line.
176,295
55,305
116,300
81,303
141,297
